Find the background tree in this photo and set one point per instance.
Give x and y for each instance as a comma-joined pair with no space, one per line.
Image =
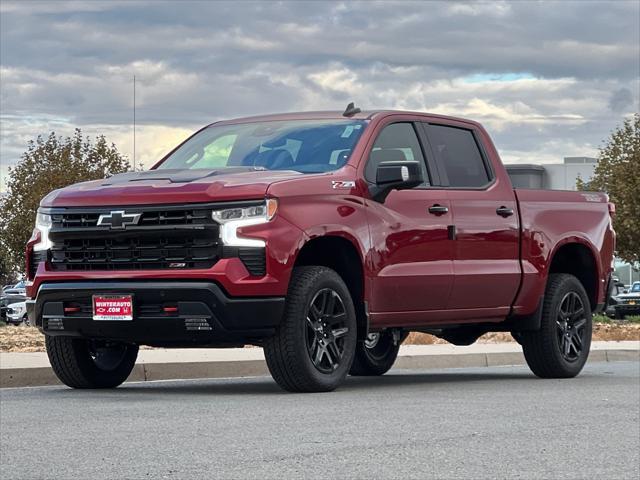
7,275
49,164
618,174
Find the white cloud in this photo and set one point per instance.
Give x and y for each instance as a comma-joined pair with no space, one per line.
544,85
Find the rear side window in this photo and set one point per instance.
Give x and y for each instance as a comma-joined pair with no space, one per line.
396,142
459,155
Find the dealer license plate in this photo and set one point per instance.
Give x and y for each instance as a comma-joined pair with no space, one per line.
632,302
113,307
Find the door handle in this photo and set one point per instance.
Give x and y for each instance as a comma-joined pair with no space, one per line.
504,211
438,209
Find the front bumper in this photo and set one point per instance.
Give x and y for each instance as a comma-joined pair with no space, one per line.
627,309
15,317
205,314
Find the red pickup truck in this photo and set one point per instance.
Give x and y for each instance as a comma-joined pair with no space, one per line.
324,237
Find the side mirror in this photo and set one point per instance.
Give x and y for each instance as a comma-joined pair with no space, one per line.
395,176
625,291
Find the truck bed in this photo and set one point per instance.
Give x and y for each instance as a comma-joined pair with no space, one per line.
550,219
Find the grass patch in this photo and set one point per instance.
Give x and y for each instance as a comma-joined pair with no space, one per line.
3,324
602,319
609,321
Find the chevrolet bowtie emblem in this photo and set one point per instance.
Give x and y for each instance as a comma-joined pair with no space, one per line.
119,220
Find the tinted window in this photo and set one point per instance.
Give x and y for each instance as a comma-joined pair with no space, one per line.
307,146
458,153
396,142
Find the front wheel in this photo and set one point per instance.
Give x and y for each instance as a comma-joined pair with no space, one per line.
314,345
82,363
561,347
376,354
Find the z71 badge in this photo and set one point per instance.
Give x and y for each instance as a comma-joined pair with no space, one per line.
343,184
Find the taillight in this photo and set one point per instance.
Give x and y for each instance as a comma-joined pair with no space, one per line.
612,209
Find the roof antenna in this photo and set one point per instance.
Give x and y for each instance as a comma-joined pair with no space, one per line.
134,123
351,110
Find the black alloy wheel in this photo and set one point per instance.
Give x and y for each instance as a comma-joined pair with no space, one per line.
571,322
326,330
376,354
107,356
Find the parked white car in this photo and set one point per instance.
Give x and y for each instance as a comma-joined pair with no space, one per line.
17,313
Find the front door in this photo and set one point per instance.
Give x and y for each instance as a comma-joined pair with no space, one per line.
412,252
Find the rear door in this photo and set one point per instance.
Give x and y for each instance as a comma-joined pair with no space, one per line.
486,246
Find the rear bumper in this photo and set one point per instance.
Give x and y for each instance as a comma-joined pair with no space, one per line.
205,314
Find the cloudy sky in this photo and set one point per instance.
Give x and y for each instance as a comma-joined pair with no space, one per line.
548,79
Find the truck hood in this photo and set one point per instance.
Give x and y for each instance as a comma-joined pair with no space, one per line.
169,186
629,296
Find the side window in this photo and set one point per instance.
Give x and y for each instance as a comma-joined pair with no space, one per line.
458,153
396,142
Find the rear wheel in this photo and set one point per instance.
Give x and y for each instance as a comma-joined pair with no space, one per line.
376,354
561,347
314,346
81,363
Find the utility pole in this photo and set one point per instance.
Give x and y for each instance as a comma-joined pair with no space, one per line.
134,123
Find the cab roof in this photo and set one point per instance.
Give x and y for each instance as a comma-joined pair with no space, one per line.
335,114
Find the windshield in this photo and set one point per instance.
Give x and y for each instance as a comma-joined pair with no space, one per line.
636,287
307,146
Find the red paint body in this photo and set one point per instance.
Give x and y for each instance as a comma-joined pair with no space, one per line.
414,274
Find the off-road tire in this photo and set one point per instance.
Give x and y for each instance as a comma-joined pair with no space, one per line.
376,360
542,348
73,364
287,352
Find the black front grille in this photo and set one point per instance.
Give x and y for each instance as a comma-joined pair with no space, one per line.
165,216
162,238
134,253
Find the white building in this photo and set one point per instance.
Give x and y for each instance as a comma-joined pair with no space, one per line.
552,176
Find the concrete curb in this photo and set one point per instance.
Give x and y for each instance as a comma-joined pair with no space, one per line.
149,371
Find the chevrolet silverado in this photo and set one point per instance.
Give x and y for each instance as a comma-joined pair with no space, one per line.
323,237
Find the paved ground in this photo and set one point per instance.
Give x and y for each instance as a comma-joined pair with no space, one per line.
496,422
33,369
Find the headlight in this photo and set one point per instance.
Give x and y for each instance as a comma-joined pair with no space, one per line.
18,308
43,224
230,219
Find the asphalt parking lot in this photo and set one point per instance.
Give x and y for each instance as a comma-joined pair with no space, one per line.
464,423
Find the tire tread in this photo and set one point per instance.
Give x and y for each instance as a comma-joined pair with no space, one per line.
539,347
280,350
72,364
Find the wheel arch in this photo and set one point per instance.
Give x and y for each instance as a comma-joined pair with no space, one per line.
576,256
341,255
